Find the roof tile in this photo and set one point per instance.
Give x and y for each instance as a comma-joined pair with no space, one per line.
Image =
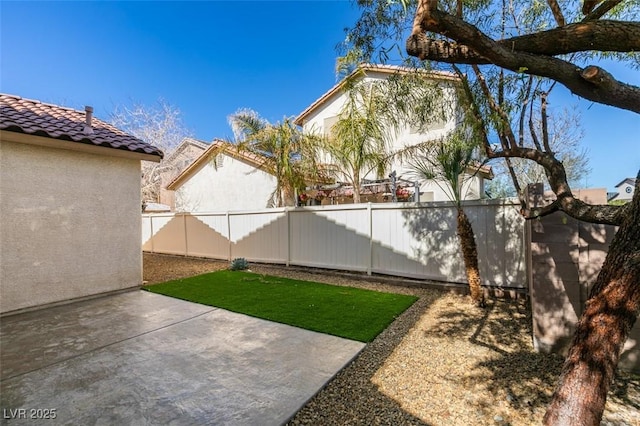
37,118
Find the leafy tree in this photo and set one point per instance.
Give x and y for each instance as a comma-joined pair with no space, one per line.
447,161
282,149
160,125
360,140
507,48
614,301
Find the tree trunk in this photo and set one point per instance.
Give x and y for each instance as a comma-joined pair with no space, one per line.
470,255
356,187
610,313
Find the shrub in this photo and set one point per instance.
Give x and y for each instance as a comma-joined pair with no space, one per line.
239,264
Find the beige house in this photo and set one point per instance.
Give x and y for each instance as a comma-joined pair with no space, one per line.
323,113
69,203
223,179
175,163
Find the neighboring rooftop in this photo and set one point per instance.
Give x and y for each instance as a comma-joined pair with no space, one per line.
630,181
216,147
629,184
367,69
40,119
184,143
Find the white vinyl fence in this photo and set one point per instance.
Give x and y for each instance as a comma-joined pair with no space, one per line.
407,240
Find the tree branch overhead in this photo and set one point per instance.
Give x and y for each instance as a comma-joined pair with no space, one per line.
475,47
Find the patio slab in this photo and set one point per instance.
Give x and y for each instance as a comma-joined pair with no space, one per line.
143,358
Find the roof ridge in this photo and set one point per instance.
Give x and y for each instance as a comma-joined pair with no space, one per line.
36,101
36,118
364,67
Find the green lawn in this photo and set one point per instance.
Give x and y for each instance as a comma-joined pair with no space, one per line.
342,311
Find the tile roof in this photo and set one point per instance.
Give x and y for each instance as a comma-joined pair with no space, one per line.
52,121
630,181
183,144
219,146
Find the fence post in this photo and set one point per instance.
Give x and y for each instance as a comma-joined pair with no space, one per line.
286,212
152,235
370,214
186,241
229,235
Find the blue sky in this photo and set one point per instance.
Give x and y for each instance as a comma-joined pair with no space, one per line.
211,58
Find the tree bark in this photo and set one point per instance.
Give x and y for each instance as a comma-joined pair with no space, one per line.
614,302
576,208
470,256
603,36
613,93
610,313
356,186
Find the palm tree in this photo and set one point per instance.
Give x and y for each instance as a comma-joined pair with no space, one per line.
447,162
283,149
358,143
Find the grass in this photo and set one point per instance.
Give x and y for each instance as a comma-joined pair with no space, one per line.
348,312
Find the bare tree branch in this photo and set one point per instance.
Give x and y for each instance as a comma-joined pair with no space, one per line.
610,215
538,212
625,96
545,128
600,10
596,35
523,110
505,129
557,12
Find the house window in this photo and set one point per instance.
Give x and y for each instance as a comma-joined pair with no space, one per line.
328,124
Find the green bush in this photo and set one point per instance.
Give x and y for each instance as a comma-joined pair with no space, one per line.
239,264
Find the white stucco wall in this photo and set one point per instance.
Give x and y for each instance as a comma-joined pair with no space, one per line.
70,225
235,185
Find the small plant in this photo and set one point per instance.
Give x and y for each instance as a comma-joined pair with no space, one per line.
239,264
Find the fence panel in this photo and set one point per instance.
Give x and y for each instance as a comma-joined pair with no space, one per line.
168,234
207,235
418,242
259,236
147,234
327,237
409,240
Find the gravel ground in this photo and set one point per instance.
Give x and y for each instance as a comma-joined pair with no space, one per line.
442,362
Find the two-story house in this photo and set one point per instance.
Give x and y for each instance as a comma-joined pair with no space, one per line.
321,115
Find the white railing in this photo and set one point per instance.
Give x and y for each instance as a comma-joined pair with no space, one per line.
407,240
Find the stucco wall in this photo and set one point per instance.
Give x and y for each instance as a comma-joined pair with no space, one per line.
565,258
70,225
234,185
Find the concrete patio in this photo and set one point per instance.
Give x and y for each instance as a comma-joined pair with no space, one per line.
143,358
